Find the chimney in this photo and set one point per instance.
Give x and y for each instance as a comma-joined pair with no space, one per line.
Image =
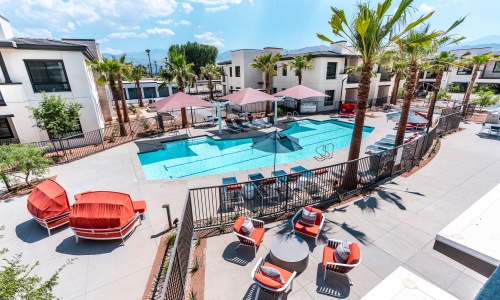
5,29
339,47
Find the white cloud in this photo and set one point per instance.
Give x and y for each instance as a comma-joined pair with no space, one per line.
71,25
187,7
107,14
112,51
165,22
183,22
217,2
126,34
103,40
157,30
217,8
127,28
33,33
210,39
425,8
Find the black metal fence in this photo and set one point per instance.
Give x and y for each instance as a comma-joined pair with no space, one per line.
219,205
174,287
84,144
469,112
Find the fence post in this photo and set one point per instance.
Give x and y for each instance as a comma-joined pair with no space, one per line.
287,186
102,140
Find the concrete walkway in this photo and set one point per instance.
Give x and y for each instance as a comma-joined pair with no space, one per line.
394,227
104,269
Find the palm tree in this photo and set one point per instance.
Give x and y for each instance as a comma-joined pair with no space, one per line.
167,77
177,65
474,62
135,74
108,68
211,72
267,63
438,65
415,48
119,76
301,63
369,32
397,66
149,59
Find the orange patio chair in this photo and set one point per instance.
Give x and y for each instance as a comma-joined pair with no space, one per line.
329,263
312,231
271,285
255,238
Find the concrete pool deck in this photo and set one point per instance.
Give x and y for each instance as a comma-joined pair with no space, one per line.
107,270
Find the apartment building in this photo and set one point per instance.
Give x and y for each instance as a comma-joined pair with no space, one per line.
328,76
30,66
457,79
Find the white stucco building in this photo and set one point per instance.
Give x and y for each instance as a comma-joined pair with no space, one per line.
327,76
30,66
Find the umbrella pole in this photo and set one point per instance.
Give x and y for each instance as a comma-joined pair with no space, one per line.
219,117
275,113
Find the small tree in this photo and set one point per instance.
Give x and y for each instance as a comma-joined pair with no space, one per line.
5,166
484,99
28,160
55,115
18,282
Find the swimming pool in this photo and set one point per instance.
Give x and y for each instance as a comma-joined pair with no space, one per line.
206,156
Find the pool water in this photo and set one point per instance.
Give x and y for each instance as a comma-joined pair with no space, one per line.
206,156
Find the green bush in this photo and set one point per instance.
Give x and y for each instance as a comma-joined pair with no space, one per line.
132,109
484,99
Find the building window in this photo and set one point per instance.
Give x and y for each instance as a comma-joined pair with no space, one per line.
237,71
275,90
496,68
331,70
48,75
5,131
2,101
284,71
238,87
463,71
329,100
132,93
230,71
275,70
150,92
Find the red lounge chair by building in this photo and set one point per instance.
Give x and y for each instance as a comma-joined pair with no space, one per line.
347,110
48,204
104,215
255,238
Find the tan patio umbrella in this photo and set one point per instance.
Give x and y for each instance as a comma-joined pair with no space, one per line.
300,92
177,101
250,95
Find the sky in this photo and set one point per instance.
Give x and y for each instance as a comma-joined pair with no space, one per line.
122,26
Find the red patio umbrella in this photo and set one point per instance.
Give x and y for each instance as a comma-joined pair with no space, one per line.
300,92
178,100
247,96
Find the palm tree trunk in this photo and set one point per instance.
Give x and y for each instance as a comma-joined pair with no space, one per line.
112,86
124,102
415,85
469,90
395,89
351,175
268,90
139,93
409,88
210,87
300,77
439,78
180,81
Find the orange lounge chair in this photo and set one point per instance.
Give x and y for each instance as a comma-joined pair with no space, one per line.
270,285
312,231
329,263
255,238
104,215
48,204
347,110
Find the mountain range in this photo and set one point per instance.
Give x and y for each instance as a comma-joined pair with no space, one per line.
158,55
